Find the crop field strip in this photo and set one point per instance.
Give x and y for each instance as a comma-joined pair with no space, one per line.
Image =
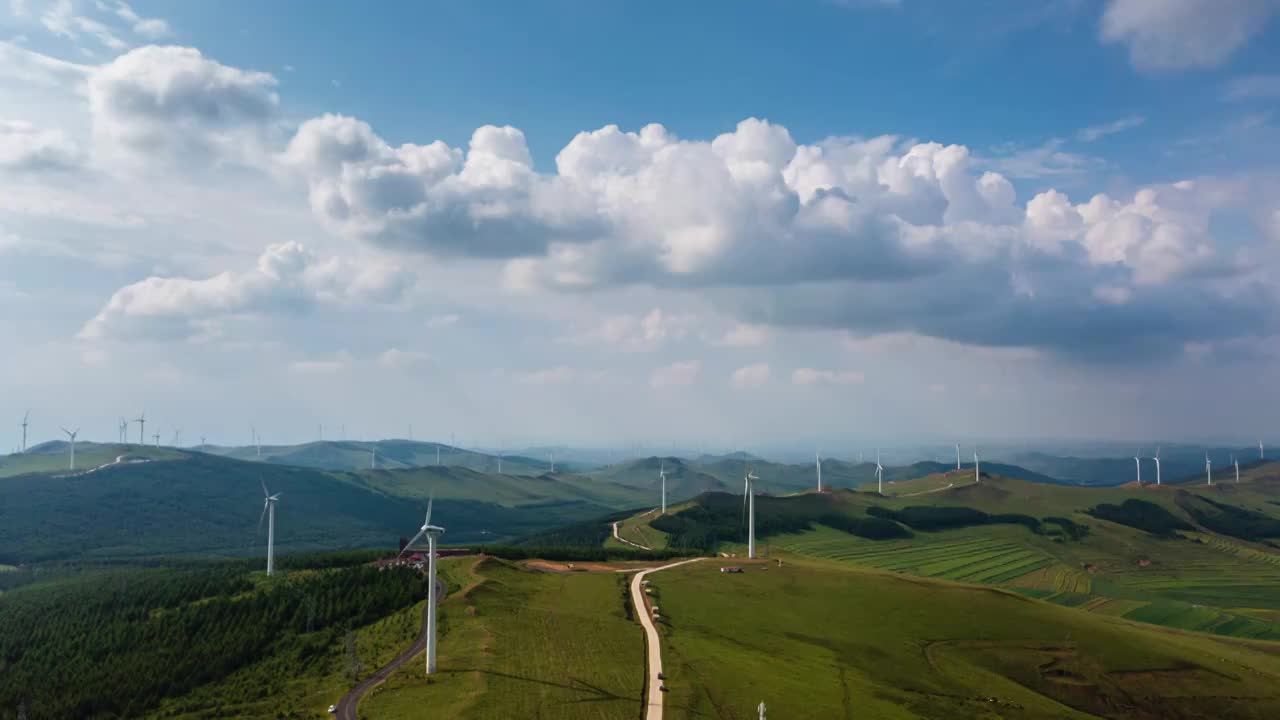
973,560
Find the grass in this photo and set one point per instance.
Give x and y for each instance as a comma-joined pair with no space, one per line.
54,457
523,644
816,640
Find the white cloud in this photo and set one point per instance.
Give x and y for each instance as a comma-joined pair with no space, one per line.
340,362
678,374
287,278
438,322
1175,34
397,359
1045,160
158,104
751,376
810,376
18,63
1096,132
559,375
152,28
25,147
744,335
61,19
638,332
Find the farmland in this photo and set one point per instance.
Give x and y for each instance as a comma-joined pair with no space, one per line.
904,647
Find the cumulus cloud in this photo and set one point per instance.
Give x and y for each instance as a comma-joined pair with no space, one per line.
25,147
1174,34
678,374
744,335
751,376
287,278
172,103
638,332
810,376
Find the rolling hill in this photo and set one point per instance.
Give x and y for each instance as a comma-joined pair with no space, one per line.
380,454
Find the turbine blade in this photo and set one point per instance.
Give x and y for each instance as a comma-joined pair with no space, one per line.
430,501
265,492
411,542
262,517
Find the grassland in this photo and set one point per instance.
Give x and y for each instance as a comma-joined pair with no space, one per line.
816,640
522,644
53,457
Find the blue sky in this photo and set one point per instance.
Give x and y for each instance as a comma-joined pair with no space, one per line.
846,220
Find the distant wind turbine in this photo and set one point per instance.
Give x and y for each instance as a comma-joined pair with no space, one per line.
957,456
26,417
177,437
499,461
662,475
203,444
71,435
157,439
1137,462
433,534
817,460
437,454
977,470
1235,461
142,428
269,512
1208,469
1261,455
749,507
879,474
553,461
373,457
122,431
1157,459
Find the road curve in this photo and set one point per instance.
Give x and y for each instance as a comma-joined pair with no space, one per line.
619,538
926,492
346,707
653,651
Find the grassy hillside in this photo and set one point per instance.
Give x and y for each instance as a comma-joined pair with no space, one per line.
380,454
54,457
813,640
201,504
525,644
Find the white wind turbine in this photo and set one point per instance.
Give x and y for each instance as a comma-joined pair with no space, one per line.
662,475
749,507
373,457
1157,459
1261,454
142,428
817,460
1208,469
25,418
269,512
553,461
1236,461
879,474
157,439
977,470
433,534
1138,463
71,436
957,456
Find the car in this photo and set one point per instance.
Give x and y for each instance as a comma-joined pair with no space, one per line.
333,708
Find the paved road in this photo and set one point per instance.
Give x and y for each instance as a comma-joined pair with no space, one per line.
619,538
926,492
349,702
653,703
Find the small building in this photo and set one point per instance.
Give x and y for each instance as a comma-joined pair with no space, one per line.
731,569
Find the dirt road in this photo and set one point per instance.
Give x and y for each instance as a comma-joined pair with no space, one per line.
653,651
619,538
346,707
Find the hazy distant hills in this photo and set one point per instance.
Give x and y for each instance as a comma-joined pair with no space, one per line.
381,454
1176,462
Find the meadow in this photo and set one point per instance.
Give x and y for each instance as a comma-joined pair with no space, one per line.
817,640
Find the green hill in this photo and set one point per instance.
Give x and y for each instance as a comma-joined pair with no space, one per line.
54,457
380,454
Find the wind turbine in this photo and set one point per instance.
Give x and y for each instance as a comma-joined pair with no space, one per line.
957,456
25,418
177,437
879,474
437,454
71,434
1208,469
433,534
124,431
1235,461
373,457
157,438
749,507
761,709
1137,462
1157,459
817,460
269,512
1261,454
142,428
977,470
553,461
662,475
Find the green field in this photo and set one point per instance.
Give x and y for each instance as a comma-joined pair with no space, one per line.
523,644
815,640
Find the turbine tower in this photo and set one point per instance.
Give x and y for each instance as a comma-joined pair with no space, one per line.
817,460
1157,459
1138,463
433,534
749,507
25,418
553,460
269,512
157,439
662,475
1208,469
142,428
1236,461
71,435
373,457
879,474
957,456
1261,454
977,470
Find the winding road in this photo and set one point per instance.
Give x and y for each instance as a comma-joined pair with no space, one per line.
653,651
926,492
619,538
346,707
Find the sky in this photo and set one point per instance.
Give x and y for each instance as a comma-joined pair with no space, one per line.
721,224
